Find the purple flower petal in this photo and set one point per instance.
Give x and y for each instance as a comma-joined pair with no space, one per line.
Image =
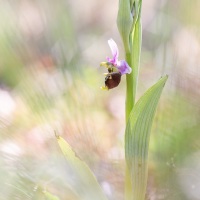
123,67
114,50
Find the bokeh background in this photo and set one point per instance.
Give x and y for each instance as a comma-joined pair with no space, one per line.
50,81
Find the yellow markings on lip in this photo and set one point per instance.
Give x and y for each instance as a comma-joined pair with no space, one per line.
104,88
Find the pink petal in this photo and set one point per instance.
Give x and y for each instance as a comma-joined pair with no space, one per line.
123,67
114,50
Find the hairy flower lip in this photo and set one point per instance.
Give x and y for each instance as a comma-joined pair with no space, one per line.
112,80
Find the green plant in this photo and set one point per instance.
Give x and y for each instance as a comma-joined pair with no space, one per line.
139,116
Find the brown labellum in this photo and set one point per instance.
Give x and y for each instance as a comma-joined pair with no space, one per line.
113,79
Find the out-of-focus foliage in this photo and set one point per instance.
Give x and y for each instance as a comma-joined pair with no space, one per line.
50,196
50,79
88,187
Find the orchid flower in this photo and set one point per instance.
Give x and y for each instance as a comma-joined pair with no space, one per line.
116,68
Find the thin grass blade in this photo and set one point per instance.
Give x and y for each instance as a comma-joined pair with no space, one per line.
49,196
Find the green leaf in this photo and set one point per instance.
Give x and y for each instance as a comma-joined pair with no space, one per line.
50,196
137,141
89,189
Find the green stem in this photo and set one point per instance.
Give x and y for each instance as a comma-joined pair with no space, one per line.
133,59
128,185
130,101
130,96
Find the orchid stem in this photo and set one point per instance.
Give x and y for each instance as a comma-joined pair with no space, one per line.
133,59
130,94
130,101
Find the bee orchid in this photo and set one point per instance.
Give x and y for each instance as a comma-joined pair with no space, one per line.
116,68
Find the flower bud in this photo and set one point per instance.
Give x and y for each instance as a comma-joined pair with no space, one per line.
125,22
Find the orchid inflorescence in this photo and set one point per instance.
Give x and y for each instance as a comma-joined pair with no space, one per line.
116,68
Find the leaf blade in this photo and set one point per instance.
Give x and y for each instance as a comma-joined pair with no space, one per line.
137,137
91,189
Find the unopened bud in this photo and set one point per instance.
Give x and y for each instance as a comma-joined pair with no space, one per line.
125,22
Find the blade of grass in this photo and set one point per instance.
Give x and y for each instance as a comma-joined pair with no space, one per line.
137,140
90,188
50,196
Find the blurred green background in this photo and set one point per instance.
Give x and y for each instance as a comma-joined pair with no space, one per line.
50,81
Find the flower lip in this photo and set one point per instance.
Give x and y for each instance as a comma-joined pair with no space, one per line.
112,80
